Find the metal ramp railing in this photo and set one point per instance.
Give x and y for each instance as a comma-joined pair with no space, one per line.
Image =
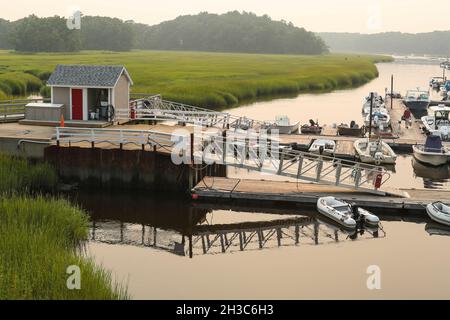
14,109
115,136
250,151
157,109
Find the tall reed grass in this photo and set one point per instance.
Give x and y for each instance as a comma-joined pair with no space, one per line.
39,239
17,174
41,236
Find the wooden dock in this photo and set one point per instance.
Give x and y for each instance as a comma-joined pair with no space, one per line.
264,191
403,137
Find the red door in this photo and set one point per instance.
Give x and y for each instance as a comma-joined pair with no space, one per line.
77,104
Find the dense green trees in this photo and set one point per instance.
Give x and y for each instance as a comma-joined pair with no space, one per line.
102,33
433,43
5,29
230,32
33,34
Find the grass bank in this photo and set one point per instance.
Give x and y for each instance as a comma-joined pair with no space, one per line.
41,237
204,79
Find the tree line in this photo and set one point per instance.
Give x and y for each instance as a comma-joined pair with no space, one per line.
230,32
430,43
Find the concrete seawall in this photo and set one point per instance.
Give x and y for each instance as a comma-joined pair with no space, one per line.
126,169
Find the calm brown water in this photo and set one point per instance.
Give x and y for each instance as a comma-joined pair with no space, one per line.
145,240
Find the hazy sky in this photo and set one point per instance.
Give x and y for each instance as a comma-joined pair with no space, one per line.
366,16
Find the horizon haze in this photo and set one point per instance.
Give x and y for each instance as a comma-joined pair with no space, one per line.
355,16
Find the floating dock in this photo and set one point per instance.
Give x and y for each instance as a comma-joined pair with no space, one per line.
283,192
402,139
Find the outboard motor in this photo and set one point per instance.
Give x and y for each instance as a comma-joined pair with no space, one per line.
355,212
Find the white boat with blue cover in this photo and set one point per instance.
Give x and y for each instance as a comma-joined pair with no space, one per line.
432,152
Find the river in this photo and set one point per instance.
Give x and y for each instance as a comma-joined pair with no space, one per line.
144,239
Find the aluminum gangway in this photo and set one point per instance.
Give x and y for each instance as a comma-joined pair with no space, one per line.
157,109
255,152
249,150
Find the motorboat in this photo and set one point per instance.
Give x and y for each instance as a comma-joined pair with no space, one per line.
345,214
376,151
417,101
439,212
380,119
283,125
381,108
326,147
432,152
437,122
437,82
311,128
352,130
376,103
337,210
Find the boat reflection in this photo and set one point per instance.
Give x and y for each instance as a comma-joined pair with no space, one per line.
436,229
433,177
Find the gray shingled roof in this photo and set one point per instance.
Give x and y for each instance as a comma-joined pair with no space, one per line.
86,76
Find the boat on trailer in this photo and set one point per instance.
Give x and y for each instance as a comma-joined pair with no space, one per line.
376,151
439,212
432,152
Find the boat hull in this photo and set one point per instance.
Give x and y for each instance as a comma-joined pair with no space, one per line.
339,218
388,157
430,158
293,128
418,108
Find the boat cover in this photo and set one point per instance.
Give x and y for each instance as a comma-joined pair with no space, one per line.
433,144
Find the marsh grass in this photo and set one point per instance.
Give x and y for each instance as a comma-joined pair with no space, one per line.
20,175
39,239
41,236
214,80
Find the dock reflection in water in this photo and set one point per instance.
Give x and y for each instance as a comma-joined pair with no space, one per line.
181,229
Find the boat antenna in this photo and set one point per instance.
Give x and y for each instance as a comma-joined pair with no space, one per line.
370,117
